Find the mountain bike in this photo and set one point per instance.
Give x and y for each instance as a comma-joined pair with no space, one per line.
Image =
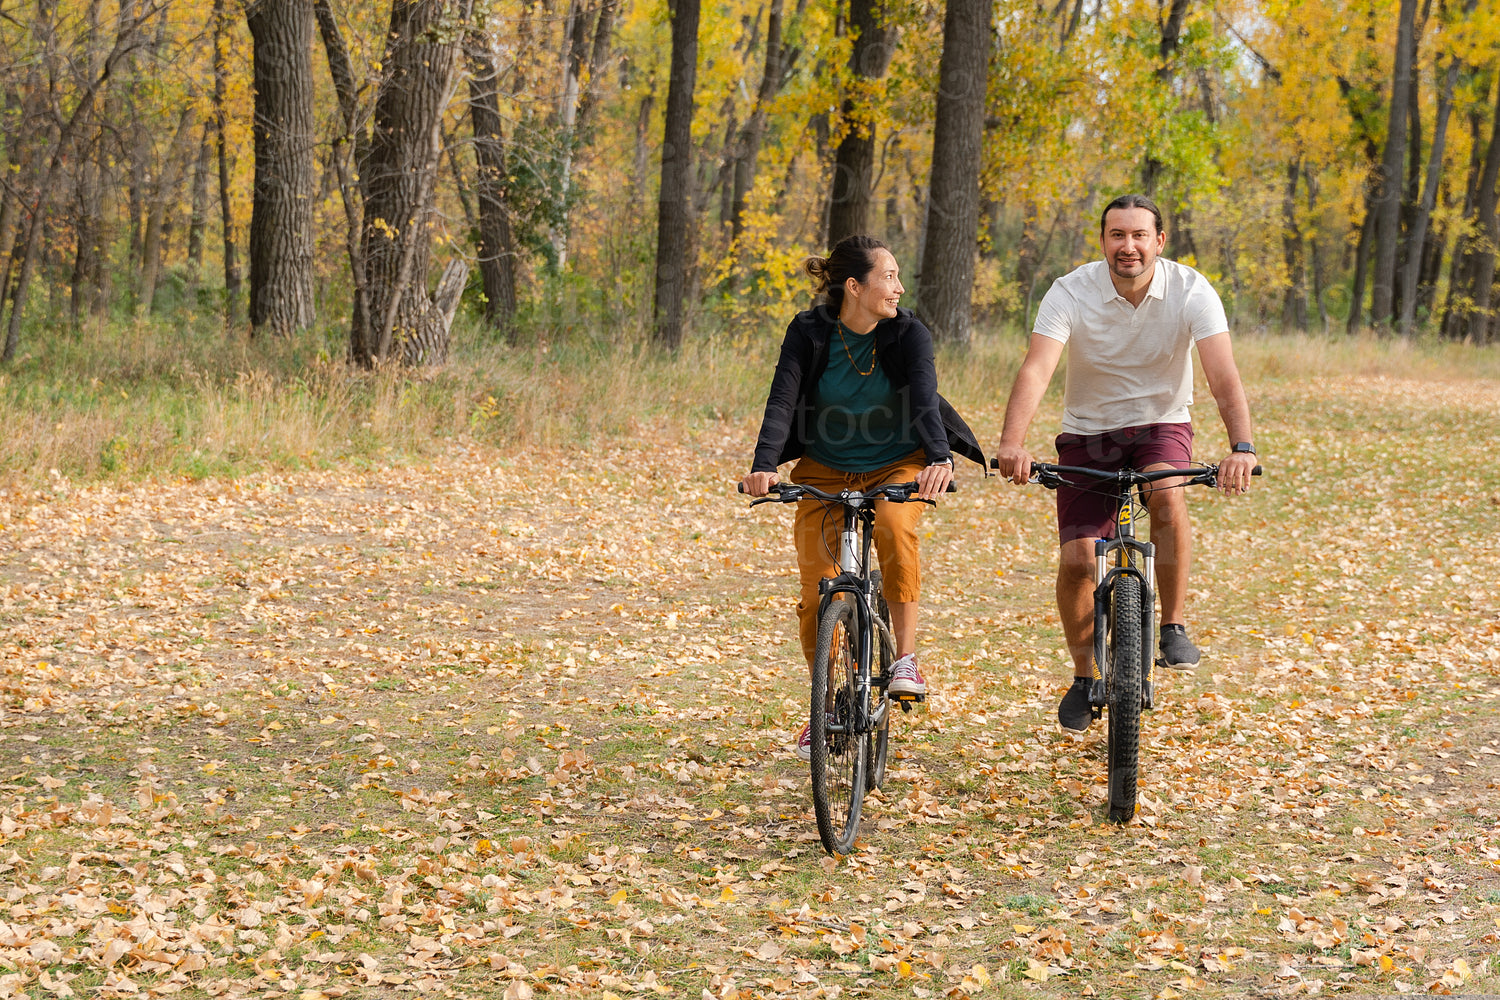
1124,612
850,707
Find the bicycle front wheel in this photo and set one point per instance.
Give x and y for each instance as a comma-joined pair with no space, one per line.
838,750
1124,697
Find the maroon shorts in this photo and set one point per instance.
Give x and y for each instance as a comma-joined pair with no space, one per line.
1087,512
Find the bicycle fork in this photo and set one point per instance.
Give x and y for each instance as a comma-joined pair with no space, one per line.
1137,558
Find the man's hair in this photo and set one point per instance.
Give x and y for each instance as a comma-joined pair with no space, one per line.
1132,201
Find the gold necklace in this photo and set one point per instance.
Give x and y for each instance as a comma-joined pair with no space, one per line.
851,356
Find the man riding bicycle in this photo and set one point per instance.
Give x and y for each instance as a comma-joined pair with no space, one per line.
1129,324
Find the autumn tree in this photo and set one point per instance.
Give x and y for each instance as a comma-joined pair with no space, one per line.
281,240
873,45
390,194
747,149
674,215
1389,180
222,156
496,245
953,200
48,156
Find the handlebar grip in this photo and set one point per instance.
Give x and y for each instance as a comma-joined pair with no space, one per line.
952,488
1255,471
740,487
995,464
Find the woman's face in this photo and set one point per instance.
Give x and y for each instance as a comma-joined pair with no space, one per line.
880,292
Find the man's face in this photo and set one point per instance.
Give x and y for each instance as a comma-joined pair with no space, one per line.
1131,242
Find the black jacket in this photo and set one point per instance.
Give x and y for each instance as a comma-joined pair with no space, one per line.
904,348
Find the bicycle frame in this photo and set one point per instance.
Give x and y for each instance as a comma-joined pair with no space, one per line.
855,538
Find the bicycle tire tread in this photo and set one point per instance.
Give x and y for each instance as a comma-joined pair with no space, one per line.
1124,697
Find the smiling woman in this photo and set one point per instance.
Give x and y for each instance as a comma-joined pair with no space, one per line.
854,400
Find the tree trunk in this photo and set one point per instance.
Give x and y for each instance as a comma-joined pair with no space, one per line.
198,213
947,278
1482,272
88,264
398,179
1294,307
353,144
221,143
1171,37
641,162
1315,253
854,162
1474,260
574,52
160,198
1417,243
1388,198
1361,266
281,241
497,260
599,57
674,213
755,126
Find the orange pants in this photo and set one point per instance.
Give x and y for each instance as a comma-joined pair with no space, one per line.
817,537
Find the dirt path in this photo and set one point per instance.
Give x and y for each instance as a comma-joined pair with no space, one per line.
511,724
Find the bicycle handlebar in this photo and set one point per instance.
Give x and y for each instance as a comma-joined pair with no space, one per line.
1051,476
895,492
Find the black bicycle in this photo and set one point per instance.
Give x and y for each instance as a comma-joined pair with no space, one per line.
1124,612
850,707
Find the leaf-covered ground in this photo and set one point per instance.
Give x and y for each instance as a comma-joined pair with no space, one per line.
512,725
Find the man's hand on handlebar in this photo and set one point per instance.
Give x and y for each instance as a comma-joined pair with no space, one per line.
1013,462
758,484
1235,472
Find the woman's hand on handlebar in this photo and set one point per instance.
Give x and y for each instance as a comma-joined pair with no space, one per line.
934,479
758,484
1013,462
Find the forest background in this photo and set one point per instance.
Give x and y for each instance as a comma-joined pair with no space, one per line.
628,170
331,669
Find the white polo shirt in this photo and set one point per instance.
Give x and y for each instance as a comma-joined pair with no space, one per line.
1129,365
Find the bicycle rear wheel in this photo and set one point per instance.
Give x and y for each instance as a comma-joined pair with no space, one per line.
1124,697
838,751
880,708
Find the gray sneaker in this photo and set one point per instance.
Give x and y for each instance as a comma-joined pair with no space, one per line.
1177,651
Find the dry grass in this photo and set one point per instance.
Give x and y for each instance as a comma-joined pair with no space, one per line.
131,401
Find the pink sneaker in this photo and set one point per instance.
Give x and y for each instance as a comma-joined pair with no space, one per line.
906,678
804,742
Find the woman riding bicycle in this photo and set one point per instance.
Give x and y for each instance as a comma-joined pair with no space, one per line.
854,400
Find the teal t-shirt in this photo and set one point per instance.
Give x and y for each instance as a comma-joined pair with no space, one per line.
859,423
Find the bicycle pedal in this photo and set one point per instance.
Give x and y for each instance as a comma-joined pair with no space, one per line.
903,696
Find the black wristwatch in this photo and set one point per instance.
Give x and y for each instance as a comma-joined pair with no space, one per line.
1242,448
